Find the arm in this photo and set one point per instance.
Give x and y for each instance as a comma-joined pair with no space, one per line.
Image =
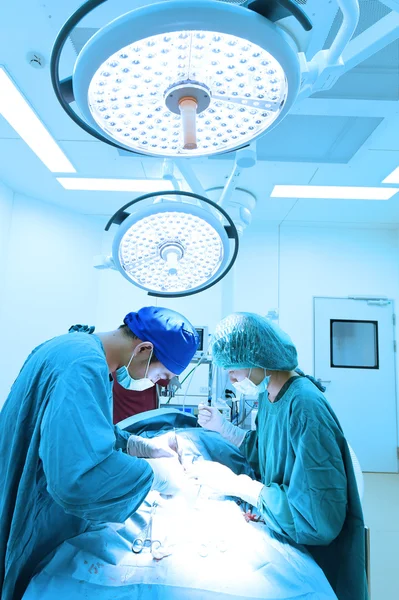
85,472
312,508
249,448
121,438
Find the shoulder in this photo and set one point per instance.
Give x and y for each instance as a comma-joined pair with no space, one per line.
310,406
73,349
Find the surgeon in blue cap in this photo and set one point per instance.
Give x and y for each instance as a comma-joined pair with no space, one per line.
64,466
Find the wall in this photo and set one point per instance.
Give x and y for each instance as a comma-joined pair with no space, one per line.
6,204
287,266
328,261
48,281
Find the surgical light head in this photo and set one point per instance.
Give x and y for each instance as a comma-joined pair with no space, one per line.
179,244
181,79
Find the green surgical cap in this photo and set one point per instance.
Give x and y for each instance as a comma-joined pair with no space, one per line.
245,340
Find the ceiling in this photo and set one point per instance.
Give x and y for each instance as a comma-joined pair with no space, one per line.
348,135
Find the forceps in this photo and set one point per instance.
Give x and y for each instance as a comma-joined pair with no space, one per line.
146,541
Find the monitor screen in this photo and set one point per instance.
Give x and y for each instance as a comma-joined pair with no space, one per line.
200,332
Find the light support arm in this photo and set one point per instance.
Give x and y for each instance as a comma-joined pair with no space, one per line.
168,173
192,180
245,158
230,185
350,13
378,36
322,72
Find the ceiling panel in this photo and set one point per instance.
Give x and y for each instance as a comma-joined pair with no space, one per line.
317,139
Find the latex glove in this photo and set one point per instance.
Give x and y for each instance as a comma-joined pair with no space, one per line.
209,417
169,475
162,446
222,479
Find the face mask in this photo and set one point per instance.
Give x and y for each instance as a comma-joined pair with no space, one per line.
248,388
136,385
262,387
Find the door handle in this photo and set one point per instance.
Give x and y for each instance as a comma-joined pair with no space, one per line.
324,380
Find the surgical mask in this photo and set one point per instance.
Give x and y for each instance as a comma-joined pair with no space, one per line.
249,388
137,385
262,387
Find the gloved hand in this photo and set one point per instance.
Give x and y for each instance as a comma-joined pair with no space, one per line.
162,446
209,417
169,475
222,479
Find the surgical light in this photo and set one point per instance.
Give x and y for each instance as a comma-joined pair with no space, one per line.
179,244
181,79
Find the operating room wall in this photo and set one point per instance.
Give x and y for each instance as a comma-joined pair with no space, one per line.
48,282
333,262
6,203
286,266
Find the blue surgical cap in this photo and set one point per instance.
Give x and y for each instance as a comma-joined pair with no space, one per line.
174,339
245,340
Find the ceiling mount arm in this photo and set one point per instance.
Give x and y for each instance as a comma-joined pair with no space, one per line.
274,10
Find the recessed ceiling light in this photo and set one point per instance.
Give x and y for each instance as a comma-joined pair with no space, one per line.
114,185
333,192
393,177
22,118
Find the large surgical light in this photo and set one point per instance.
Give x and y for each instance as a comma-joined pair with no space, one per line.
179,244
181,79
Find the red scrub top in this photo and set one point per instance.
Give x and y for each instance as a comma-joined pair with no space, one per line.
128,402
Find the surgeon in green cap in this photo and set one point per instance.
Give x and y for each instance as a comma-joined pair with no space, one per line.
305,487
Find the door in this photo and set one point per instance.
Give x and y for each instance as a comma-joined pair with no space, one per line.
354,357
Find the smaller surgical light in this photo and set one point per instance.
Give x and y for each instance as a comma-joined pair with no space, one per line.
173,248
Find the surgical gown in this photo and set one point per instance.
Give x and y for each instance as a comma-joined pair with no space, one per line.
310,496
62,468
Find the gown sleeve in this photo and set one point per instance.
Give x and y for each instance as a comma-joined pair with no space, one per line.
249,449
87,473
310,510
121,438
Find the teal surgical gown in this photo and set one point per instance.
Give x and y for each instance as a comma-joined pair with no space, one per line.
62,468
310,495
